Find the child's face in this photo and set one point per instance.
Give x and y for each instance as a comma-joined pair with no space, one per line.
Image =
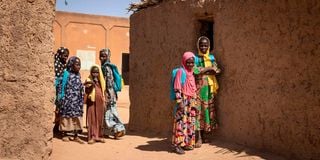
64,56
95,72
190,63
76,66
203,45
103,57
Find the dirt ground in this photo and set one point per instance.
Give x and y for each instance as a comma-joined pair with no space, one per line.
137,146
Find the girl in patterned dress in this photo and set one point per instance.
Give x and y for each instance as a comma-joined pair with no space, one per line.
114,126
185,112
71,94
207,87
60,63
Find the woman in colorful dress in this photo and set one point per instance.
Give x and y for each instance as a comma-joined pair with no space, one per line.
207,87
185,112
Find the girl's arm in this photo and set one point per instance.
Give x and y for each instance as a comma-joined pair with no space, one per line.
88,86
210,70
177,85
178,89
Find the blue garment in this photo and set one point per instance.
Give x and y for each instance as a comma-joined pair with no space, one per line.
113,122
113,85
72,99
173,76
116,75
62,81
199,60
70,92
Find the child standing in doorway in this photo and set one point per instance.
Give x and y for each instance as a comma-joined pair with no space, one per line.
70,95
207,88
185,113
95,86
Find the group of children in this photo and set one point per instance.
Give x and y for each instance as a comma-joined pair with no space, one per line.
98,92
195,87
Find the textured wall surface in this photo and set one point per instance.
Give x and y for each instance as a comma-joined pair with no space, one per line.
26,79
269,52
91,33
157,41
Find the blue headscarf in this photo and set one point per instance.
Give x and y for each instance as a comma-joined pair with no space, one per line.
116,75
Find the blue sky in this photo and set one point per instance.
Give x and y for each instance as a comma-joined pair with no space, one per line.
98,7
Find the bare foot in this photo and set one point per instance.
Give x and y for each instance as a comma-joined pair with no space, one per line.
77,139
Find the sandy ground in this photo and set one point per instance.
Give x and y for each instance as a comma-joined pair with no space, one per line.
137,146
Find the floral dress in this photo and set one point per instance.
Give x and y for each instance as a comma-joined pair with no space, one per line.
71,109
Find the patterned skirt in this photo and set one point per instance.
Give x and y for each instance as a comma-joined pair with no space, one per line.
184,124
114,125
207,118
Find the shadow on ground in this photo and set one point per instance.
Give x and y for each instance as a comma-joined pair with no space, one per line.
224,147
145,133
237,149
156,145
162,143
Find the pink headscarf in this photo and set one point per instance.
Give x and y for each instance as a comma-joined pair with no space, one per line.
185,57
189,87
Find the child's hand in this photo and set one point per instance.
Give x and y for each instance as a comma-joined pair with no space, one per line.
218,70
180,107
88,84
88,90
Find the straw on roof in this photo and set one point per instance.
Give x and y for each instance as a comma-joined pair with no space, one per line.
143,4
134,7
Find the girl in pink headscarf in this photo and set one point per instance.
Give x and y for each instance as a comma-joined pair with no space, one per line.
185,112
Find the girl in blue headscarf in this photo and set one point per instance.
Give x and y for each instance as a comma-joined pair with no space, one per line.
114,126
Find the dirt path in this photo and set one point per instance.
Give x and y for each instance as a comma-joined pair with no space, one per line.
135,146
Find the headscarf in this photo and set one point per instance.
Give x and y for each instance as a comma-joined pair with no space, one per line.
59,65
92,95
212,81
189,87
116,75
185,57
66,74
108,53
206,58
71,62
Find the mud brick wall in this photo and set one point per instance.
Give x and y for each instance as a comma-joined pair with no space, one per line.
269,52
26,75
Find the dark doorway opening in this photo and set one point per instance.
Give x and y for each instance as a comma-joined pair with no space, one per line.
206,28
125,68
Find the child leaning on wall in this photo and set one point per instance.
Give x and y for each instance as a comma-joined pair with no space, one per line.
183,137
207,88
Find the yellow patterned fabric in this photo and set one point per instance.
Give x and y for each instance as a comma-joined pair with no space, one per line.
212,81
92,95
